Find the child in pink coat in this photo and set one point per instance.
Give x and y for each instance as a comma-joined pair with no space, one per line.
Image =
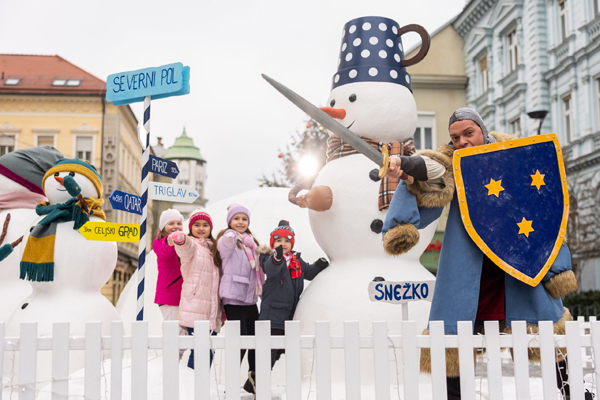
201,275
168,285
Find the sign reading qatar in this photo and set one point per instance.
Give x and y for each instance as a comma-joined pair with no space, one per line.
157,82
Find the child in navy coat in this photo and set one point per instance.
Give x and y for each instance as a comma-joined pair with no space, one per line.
285,271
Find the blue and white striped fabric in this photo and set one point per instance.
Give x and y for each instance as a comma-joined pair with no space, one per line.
144,190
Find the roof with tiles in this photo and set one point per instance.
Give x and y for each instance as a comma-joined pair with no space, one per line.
20,73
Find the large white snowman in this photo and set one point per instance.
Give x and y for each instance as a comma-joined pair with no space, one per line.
21,174
70,290
372,97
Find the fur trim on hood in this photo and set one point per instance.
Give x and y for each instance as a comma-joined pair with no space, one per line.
264,249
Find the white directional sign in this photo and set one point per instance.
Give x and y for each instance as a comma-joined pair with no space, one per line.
172,192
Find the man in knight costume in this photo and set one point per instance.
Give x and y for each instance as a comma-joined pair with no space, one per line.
469,285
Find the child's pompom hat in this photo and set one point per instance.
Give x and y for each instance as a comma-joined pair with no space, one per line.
285,230
236,208
200,213
168,216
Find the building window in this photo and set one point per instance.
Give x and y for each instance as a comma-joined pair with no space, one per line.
199,187
596,4
484,74
562,19
515,127
83,148
424,137
513,52
45,140
568,118
7,144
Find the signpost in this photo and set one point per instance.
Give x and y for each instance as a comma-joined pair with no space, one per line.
172,192
110,232
163,167
381,291
144,85
126,202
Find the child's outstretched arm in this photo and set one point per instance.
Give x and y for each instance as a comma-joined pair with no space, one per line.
184,246
161,247
274,263
226,243
312,270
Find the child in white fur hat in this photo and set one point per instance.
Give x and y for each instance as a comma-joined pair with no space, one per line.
168,284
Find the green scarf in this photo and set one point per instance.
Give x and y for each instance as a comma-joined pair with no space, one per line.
38,257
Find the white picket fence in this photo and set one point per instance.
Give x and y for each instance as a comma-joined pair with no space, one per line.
582,341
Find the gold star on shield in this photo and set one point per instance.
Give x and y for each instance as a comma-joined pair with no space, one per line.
537,180
525,227
494,187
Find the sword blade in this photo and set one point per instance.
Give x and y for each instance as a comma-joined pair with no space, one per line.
324,119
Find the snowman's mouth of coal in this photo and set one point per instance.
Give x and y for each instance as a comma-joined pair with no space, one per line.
348,127
61,190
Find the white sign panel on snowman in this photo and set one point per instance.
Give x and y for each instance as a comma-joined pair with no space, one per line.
400,292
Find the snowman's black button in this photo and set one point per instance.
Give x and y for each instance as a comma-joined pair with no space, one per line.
377,225
31,229
24,306
378,279
374,175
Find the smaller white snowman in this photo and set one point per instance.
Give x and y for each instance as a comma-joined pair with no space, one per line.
21,174
66,271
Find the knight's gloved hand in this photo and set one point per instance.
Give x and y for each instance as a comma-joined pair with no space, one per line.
279,252
322,263
71,185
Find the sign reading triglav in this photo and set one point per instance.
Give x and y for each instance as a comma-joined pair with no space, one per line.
172,192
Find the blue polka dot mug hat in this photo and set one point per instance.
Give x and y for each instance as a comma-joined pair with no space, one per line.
372,52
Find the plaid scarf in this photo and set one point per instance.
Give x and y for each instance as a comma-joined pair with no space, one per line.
293,265
337,148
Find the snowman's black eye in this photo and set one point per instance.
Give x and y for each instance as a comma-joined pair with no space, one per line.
352,98
332,103
71,173
56,174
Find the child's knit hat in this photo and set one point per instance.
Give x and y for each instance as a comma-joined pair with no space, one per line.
79,166
200,213
236,208
28,166
167,216
285,230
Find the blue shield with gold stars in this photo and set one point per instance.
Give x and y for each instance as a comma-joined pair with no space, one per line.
514,204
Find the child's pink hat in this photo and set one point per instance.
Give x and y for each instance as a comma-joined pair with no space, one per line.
200,213
236,208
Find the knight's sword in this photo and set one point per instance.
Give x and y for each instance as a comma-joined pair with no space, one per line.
338,129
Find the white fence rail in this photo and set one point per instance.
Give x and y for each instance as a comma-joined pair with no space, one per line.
582,341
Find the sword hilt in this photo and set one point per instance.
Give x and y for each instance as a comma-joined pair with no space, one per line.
386,161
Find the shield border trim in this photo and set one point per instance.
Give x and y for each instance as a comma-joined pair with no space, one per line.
464,210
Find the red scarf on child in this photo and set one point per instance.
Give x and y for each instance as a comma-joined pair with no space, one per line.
293,265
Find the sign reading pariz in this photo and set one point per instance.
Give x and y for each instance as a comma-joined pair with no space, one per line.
158,82
172,192
400,292
163,167
111,232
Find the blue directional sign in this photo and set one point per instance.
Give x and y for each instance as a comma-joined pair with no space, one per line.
158,82
163,167
126,202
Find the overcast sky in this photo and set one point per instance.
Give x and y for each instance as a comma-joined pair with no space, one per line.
236,119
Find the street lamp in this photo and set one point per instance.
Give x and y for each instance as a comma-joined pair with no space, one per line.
541,114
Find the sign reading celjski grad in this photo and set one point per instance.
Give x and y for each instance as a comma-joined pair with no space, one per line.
514,202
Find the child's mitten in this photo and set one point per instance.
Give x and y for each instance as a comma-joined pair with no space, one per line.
178,237
322,263
279,252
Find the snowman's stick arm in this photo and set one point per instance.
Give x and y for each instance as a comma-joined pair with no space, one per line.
16,242
5,228
84,203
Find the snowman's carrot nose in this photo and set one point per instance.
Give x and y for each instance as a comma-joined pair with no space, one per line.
337,113
59,179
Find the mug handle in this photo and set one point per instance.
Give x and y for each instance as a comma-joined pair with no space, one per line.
425,42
